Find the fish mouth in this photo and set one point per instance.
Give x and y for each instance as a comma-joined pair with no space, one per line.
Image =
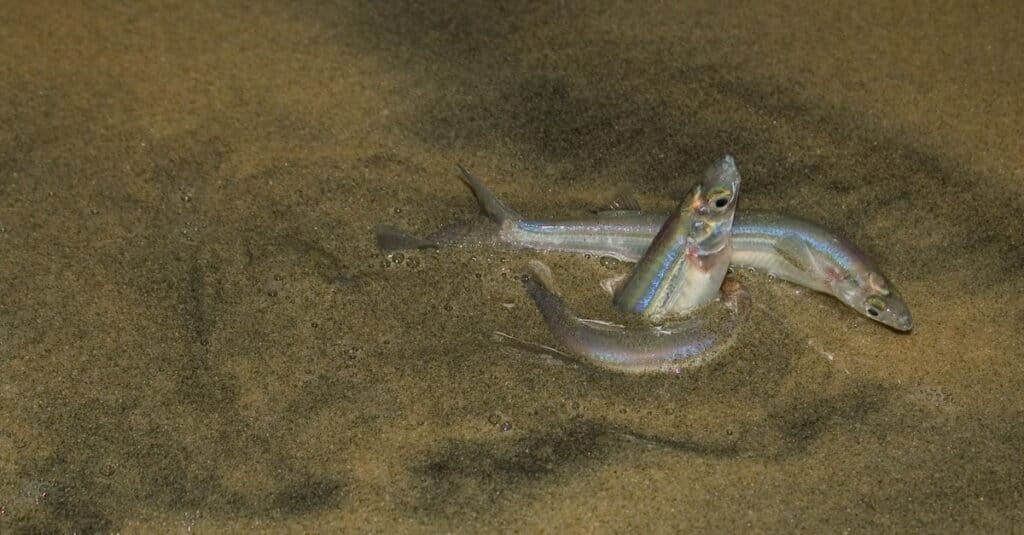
903,323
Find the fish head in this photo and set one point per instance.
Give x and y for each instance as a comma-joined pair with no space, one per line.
712,205
877,298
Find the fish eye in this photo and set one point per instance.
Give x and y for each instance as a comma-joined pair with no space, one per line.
875,305
719,197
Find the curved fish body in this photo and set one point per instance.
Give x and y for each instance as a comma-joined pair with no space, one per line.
806,254
665,348
686,261
787,247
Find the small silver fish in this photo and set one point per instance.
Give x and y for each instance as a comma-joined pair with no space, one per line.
686,261
786,247
668,347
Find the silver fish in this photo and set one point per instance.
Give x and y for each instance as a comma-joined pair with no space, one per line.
787,247
668,347
686,261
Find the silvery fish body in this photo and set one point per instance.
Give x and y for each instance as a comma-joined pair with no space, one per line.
665,348
687,259
787,247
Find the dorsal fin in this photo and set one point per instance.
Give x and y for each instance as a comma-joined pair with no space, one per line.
624,200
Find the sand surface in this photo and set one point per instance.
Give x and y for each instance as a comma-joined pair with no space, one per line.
197,332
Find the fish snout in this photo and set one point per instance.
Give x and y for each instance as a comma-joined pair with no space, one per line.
904,322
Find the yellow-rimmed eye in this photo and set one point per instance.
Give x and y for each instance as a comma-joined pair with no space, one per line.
875,305
719,197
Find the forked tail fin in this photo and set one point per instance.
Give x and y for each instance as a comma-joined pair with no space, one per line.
391,239
491,205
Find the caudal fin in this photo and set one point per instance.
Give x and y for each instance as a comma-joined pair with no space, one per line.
489,203
391,239
540,285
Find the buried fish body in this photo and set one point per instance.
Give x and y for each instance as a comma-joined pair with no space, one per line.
668,347
787,247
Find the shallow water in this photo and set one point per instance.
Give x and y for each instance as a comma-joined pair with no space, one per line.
198,333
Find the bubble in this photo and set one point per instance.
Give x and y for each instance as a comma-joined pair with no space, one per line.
108,469
609,262
494,419
448,307
506,426
185,197
398,258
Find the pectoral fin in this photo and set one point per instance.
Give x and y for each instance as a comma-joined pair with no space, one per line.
796,253
612,284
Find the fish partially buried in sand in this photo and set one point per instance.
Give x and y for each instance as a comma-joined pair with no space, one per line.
665,348
784,246
686,261
670,288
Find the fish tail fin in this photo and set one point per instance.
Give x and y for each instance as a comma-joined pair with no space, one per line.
491,205
391,239
540,285
540,275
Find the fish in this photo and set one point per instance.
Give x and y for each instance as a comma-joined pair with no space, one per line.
686,261
667,347
807,254
783,246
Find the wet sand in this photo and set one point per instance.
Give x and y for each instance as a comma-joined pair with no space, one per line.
198,333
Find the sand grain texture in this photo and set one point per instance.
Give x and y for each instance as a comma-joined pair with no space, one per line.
197,331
